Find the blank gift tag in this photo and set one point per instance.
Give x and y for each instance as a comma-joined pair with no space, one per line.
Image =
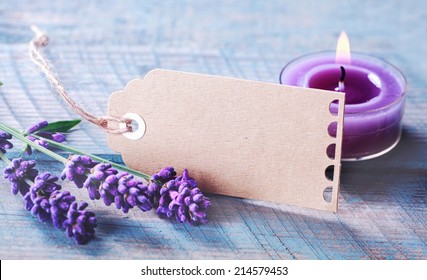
240,138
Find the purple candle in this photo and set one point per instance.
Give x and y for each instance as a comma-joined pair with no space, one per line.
374,92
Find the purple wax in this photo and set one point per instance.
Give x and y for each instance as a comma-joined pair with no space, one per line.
374,99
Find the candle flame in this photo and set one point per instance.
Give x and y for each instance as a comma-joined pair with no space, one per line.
342,55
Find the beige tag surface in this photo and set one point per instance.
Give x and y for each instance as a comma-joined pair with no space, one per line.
240,138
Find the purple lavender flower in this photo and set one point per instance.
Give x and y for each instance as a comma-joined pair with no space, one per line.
80,223
164,175
190,205
37,199
28,151
182,199
108,188
4,141
57,136
123,189
37,130
132,193
59,205
45,201
103,181
173,197
98,175
76,169
120,188
18,173
36,127
165,199
157,181
39,142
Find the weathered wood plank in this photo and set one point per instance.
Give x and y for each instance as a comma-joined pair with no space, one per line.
383,202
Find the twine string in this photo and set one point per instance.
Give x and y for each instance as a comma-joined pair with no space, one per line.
36,46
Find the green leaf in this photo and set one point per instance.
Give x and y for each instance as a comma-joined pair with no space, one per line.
61,126
1,84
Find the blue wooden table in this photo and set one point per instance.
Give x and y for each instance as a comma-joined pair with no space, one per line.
98,46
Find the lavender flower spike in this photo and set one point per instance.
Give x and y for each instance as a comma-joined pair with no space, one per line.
157,181
93,182
37,199
190,205
18,173
76,169
45,201
182,199
36,129
165,199
59,204
4,143
132,193
57,136
80,223
164,175
123,189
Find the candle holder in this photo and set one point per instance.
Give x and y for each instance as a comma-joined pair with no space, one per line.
375,99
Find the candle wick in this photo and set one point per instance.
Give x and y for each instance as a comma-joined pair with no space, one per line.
342,74
341,86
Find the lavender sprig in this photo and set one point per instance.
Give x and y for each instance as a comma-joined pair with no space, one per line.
171,196
45,200
18,174
19,171
78,167
50,205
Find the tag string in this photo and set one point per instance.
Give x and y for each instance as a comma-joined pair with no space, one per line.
36,45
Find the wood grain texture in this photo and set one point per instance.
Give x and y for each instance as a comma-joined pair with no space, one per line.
383,202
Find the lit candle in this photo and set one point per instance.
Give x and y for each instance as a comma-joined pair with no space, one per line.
374,92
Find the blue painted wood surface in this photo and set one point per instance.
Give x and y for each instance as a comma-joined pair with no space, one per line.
98,46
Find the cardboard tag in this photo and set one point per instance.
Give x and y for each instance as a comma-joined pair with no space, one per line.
240,138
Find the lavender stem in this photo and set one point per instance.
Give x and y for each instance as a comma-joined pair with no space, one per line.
16,134
100,159
5,159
